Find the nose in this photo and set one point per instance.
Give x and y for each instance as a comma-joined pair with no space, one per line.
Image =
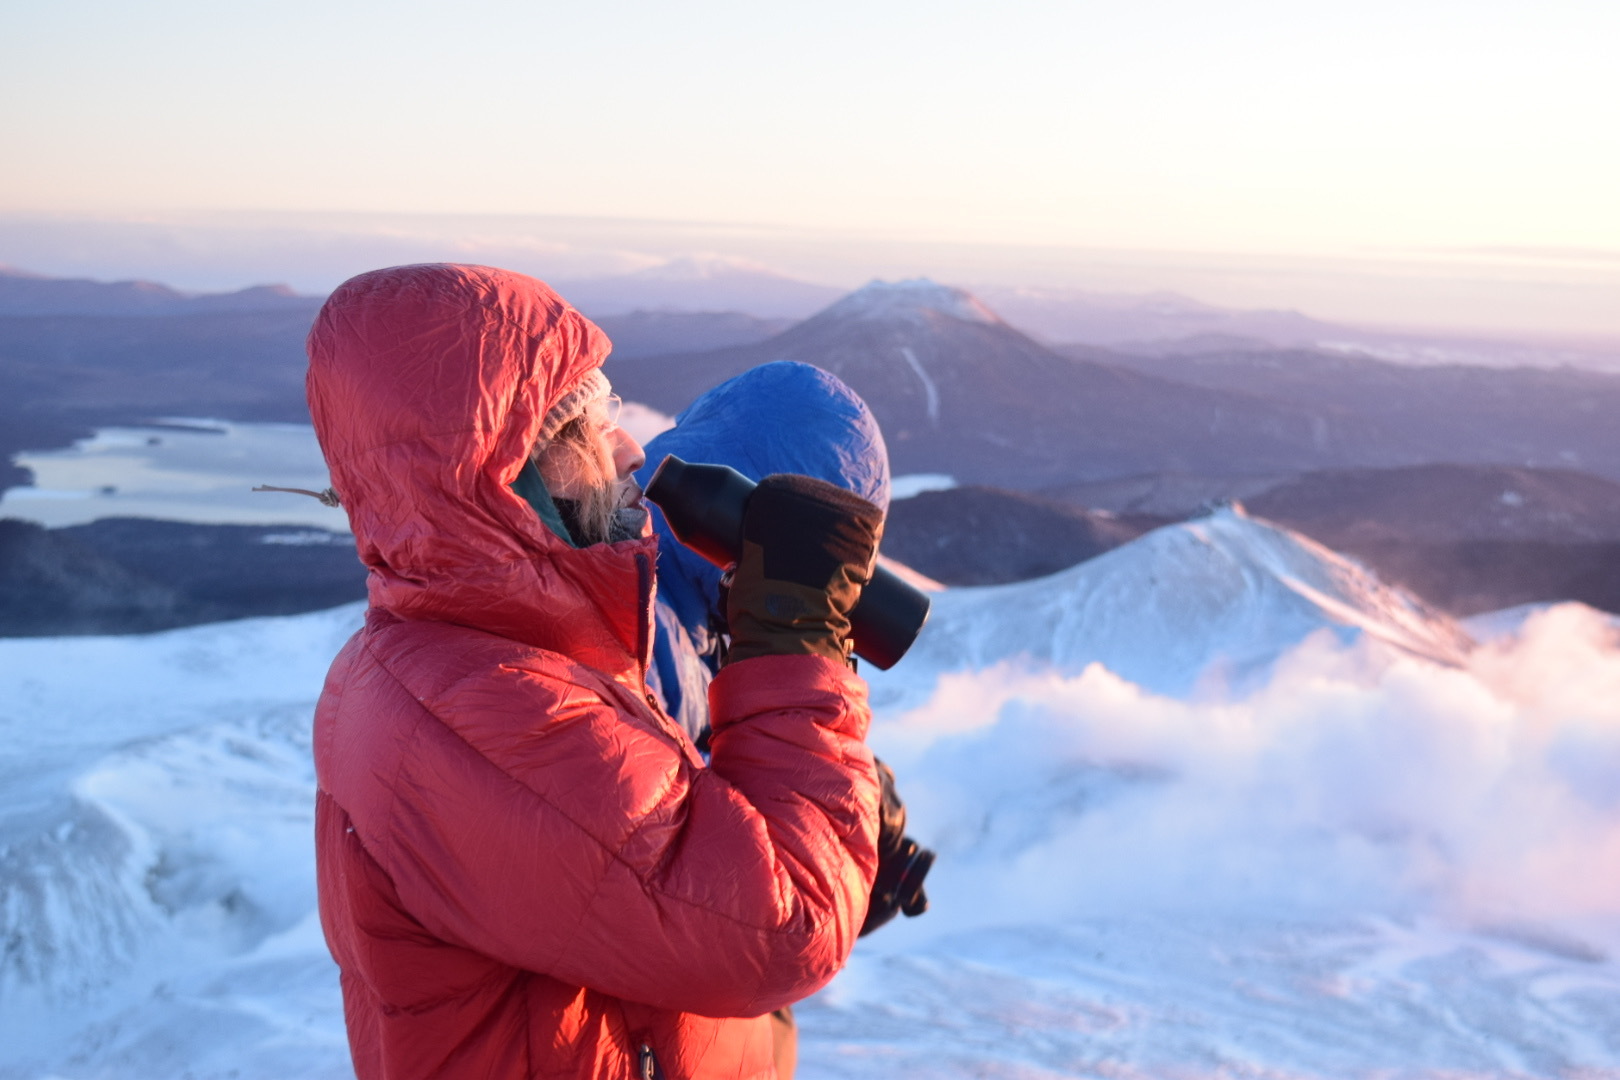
627,453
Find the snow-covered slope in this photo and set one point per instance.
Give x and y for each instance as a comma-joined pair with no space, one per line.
1372,865
1215,804
1219,803
156,860
1205,604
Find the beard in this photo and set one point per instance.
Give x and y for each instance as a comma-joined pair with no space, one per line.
605,515
629,523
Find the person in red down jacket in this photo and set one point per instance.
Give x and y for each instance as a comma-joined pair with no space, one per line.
525,869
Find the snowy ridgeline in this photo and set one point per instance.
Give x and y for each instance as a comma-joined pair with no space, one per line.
1215,803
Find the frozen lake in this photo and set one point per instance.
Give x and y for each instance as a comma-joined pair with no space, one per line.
201,471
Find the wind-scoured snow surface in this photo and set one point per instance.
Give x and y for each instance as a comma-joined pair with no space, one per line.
1215,804
157,879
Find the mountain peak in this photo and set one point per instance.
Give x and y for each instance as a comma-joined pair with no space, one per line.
909,299
1218,598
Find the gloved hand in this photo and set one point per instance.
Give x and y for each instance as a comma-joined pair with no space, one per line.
902,863
808,549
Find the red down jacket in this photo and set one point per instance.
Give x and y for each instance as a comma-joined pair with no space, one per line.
525,869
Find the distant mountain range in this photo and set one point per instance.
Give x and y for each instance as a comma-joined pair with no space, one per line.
960,391
62,376
22,293
957,388
1168,324
1474,486
76,354
1541,417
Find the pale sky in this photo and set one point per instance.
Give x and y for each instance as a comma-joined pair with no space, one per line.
1477,139
1245,125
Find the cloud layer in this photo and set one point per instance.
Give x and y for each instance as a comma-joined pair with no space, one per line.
1352,783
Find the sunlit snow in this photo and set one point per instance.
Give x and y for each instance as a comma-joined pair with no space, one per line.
1214,804
889,300
914,484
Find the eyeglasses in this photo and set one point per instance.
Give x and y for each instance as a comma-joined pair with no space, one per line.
601,414
612,406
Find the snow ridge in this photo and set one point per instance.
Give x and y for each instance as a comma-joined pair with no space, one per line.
1218,599
910,299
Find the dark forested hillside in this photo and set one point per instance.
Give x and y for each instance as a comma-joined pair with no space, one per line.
62,375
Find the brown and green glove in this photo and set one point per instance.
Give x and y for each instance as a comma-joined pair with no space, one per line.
808,549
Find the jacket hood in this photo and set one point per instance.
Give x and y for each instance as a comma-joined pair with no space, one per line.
428,385
784,417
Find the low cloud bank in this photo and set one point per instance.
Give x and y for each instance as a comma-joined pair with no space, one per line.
1352,783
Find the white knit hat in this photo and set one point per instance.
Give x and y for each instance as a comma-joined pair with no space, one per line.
574,403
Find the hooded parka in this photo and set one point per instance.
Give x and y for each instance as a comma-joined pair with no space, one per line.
525,869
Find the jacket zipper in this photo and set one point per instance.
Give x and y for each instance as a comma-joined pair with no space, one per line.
647,1065
644,614
644,582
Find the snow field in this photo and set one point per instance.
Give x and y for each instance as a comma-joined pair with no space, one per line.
1213,805
1372,865
156,861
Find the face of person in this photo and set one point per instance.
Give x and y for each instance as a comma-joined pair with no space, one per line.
617,455
623,450
591,462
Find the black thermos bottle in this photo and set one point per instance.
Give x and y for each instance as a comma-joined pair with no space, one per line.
704,507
